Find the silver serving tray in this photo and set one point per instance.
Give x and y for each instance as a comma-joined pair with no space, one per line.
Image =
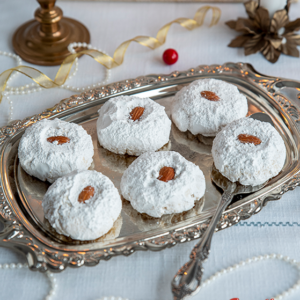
25,229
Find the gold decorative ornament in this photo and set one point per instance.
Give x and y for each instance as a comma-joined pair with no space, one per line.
104,59
270,36
44,41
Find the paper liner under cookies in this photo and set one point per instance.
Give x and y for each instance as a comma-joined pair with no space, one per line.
145,222
197,143
113,233
120,162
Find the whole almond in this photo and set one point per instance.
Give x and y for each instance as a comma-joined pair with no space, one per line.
136,113
166,174
86,194
59,139
211,96
249,139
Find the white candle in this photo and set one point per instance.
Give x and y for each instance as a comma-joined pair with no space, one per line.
273,5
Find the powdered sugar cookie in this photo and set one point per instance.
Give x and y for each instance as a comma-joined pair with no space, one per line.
158,183
207,105
249,151
83,206
50,149
132,125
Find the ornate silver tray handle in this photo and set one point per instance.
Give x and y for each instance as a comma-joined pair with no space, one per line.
24,228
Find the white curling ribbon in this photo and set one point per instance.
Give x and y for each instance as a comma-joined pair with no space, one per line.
273,5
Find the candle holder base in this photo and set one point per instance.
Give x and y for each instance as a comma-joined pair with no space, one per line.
44,41
45,51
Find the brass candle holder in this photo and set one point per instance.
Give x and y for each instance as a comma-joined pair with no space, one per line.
44,41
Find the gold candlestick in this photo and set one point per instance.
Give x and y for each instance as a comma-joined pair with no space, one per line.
44,41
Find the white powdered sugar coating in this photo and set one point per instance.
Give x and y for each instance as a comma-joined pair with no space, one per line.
191,111
49,161
147,194
82,221
248,163
118,133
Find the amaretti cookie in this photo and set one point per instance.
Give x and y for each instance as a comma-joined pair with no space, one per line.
50,149
249,151
83,206
158,183
132,125
207,105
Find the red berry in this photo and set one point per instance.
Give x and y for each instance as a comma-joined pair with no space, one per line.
170,56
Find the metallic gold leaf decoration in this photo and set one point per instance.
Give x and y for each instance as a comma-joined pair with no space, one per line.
271,37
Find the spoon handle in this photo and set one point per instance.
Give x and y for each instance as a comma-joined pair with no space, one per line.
188,278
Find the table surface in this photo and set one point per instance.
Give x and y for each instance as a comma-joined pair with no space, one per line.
147,275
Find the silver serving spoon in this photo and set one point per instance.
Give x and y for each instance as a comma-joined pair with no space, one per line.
188,279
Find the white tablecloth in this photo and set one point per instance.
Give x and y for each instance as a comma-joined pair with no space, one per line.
147,275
